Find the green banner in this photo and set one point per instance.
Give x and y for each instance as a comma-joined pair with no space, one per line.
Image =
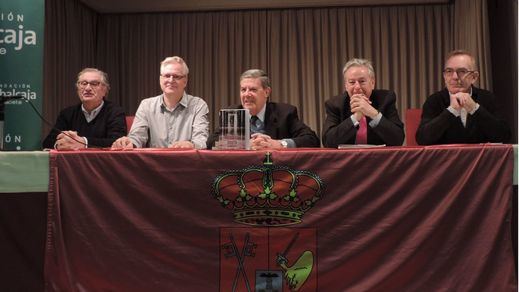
21,60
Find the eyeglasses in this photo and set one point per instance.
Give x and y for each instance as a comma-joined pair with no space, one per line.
174,76
93,84
461,72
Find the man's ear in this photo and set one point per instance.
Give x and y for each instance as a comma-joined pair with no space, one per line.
475,76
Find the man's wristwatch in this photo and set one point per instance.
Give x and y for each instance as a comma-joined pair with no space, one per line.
283,143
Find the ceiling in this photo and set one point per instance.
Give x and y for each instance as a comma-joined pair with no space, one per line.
135,6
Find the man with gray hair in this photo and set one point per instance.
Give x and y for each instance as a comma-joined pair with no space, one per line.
461,112
95,122
273,125
362,114
172,119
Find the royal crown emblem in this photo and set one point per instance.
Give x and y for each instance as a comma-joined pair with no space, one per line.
268,195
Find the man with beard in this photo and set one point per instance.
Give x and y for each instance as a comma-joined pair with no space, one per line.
172,119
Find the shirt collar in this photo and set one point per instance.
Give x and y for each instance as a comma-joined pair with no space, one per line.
182,102
90,116
261,114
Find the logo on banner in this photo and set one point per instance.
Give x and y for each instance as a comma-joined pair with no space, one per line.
13,33
268,259
17,89
269,256
268,195
21,57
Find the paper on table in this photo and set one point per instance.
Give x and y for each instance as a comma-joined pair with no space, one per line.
346,146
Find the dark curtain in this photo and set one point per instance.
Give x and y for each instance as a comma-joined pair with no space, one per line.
503,36
69,46
303,50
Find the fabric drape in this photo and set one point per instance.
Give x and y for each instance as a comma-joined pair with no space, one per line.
386,219
302,50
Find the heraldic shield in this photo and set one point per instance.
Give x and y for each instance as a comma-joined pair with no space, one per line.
268,259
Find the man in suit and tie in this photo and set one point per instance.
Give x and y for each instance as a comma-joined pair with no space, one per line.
461,112
362,114
273,125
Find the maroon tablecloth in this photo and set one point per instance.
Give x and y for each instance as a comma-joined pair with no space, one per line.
380,219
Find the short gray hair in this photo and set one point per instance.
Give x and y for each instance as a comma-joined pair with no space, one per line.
104,76
359,62
174,60
463,53
257,74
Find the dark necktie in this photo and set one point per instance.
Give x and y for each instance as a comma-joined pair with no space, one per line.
256,126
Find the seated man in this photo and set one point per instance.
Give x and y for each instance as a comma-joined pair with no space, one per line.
461,112
173,119
95,122
362,114
273,125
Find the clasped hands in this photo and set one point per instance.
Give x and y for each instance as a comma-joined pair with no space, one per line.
461,100
69,140
360,106
126,143
260,141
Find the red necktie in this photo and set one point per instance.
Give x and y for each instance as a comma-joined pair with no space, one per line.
362,132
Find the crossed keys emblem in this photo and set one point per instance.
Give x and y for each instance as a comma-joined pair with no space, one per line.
231,250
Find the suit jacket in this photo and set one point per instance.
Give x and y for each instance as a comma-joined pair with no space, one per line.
281,122
102,131
339,129
439,126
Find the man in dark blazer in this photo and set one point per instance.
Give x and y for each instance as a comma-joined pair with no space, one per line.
95,122
362,115
461,112
273,125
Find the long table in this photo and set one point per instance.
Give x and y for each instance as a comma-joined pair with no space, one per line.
372,200
28,171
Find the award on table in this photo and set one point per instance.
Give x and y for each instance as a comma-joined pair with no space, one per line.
235,130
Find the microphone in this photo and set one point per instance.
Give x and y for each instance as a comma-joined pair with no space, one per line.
3,99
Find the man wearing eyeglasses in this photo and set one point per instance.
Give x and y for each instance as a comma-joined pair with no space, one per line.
461,112
172,119
95,122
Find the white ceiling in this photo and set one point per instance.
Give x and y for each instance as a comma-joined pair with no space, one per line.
131,6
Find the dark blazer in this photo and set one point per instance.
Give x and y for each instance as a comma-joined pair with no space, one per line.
439,126
338,127
281,122
102,131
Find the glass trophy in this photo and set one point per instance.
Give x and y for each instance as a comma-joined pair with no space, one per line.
235,130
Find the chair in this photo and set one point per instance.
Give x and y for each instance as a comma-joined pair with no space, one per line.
412,120
129,122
